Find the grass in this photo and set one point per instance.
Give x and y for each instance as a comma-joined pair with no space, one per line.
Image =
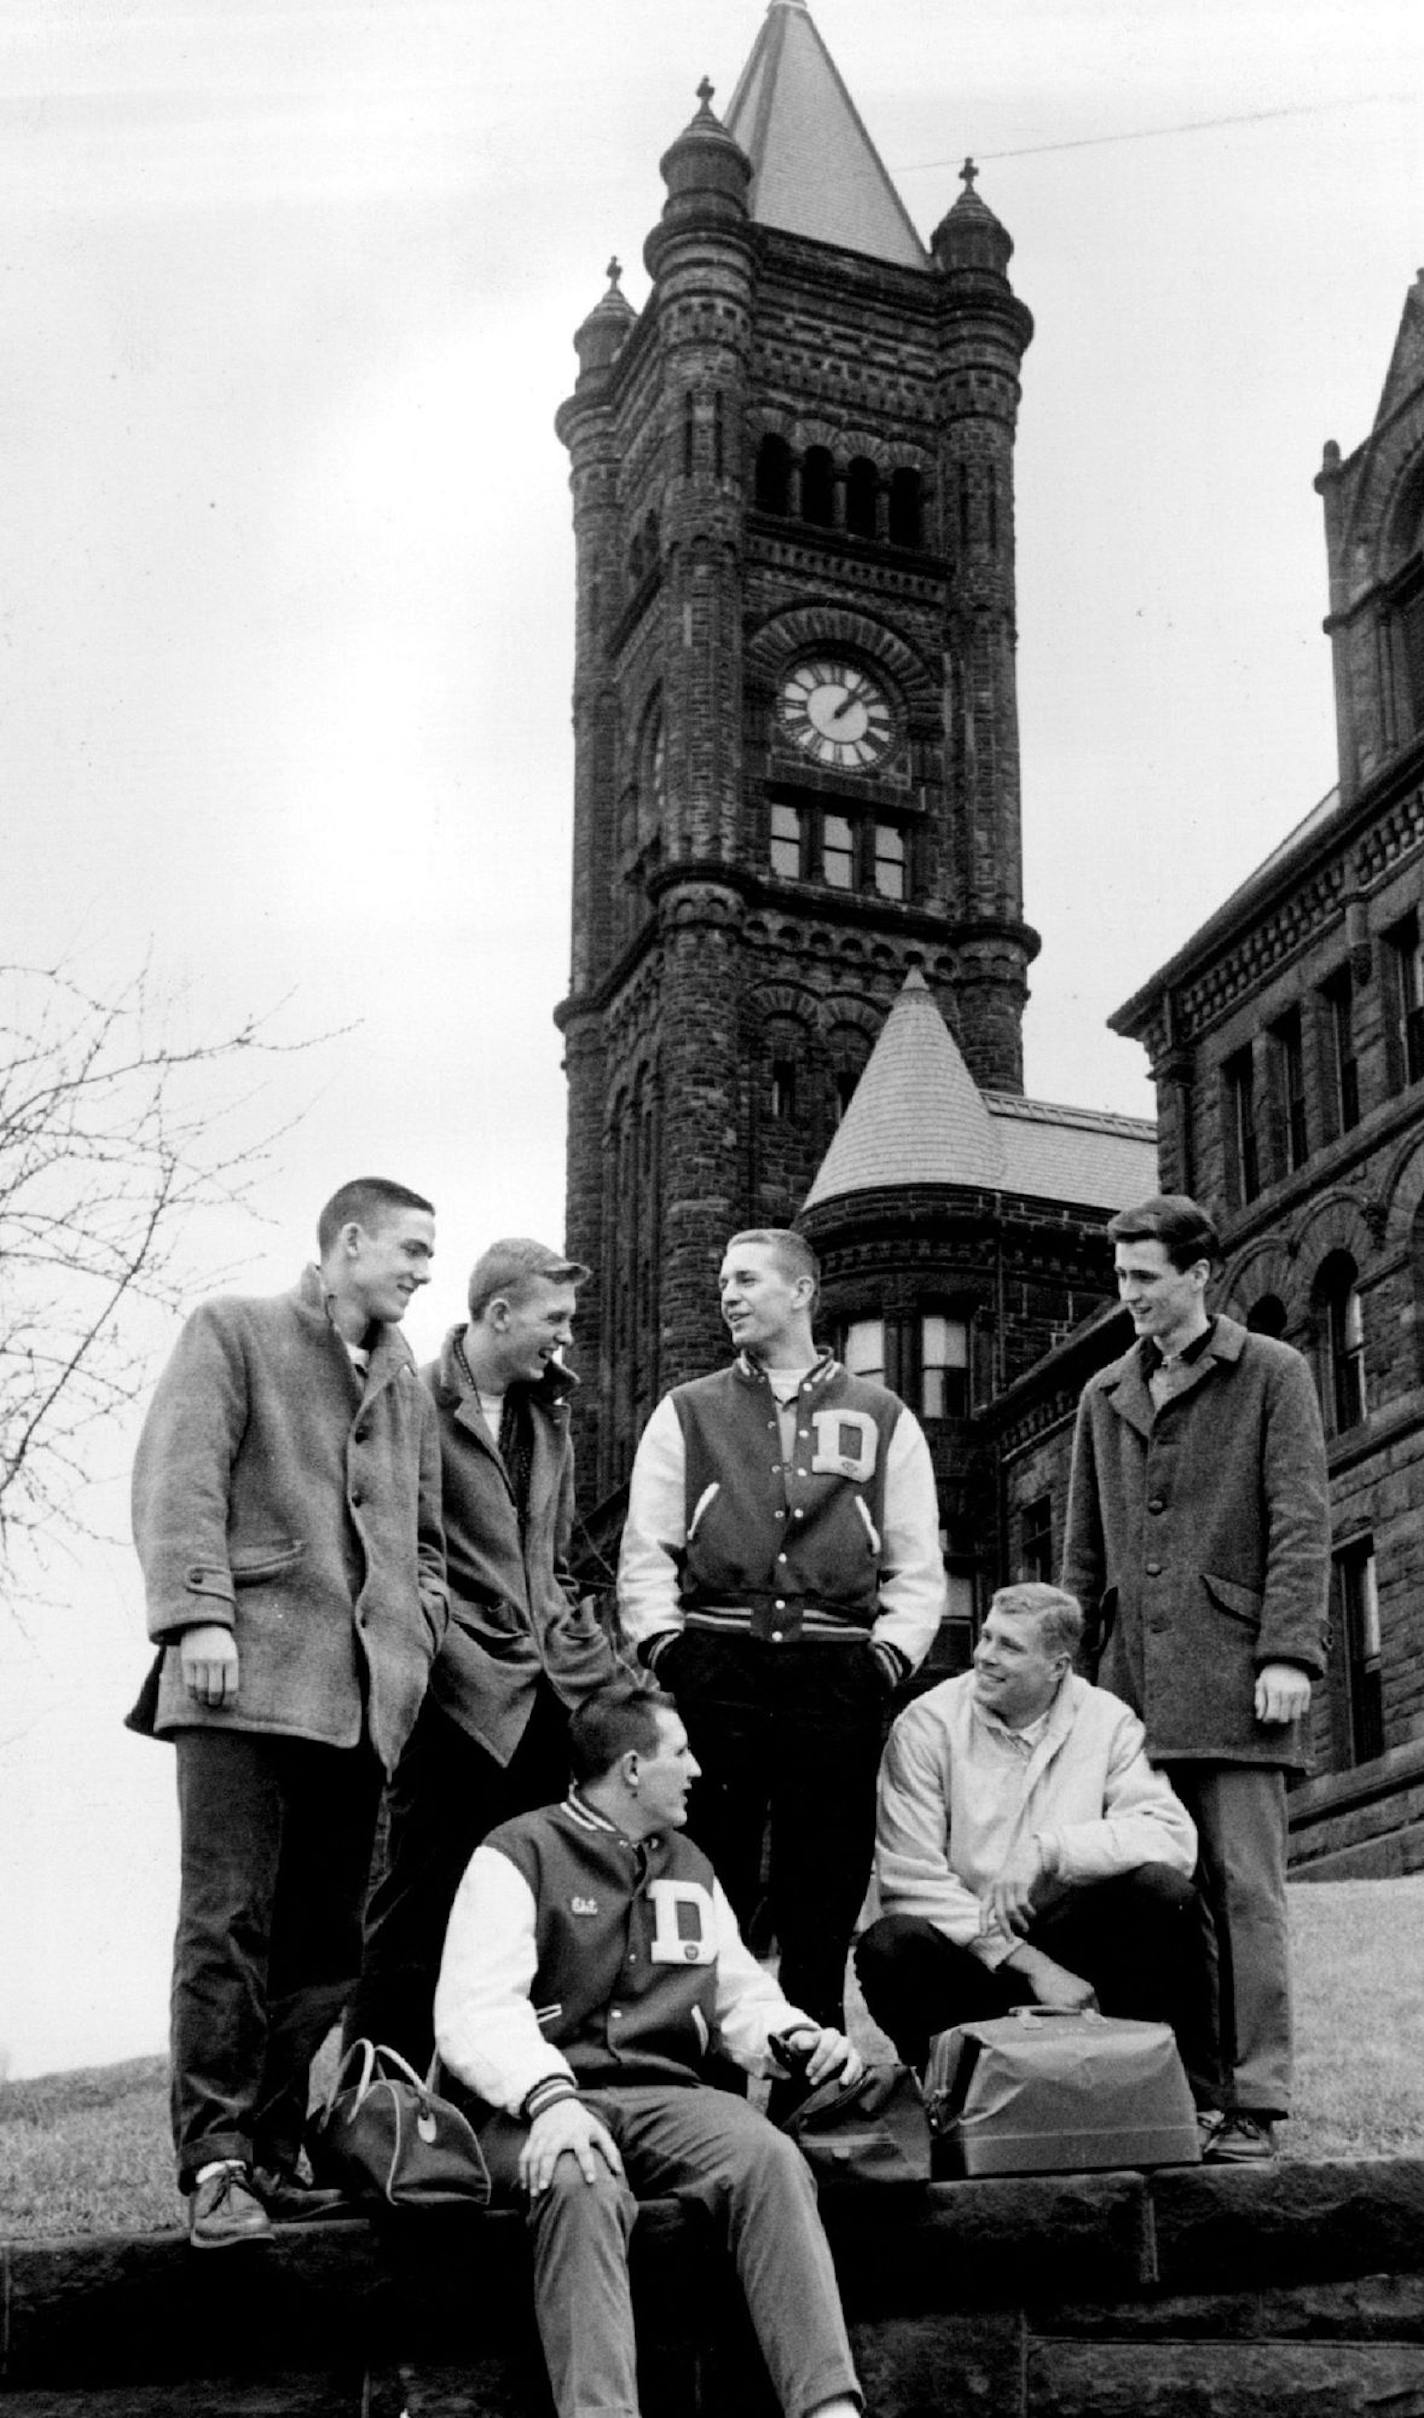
88,2152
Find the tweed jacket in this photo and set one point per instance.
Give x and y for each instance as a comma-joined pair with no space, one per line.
1198,1543
275,1496
514,1612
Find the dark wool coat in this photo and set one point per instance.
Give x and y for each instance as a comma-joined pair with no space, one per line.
514,1613
1198,1543
275,1497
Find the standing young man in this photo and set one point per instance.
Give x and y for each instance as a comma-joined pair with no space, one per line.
1198,1543
286,1500
521,1648
781,1571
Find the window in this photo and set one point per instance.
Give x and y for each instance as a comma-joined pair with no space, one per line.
1406,631
1343,1093
846,852
846,1080
773,475
862,487
1242,1147
838,851
1342,1388
783,1089
1036,1540
888,870
1267,1316
1287,1069
905,508
818,487
944,1367
786,842
1359,1692
864,1353
1404,964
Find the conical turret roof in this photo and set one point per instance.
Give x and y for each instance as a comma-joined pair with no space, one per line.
916,1116
815,169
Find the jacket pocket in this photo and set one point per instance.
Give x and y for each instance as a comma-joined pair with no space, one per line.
1228,1594
250,1564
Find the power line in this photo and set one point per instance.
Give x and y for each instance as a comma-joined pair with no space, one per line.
1150,134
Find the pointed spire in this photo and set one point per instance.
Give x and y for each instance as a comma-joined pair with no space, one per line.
1406,368
601,337
916,1115
969,236
816,171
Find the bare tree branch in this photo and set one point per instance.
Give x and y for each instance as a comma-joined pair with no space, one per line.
112,1138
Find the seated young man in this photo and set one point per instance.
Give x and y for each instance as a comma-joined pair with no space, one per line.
592,1966
1026,1850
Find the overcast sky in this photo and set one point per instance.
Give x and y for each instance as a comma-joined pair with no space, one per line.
286,586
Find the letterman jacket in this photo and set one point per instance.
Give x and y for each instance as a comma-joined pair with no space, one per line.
576,1956
725,1531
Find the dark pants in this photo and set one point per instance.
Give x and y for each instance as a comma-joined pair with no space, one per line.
276,1845
1134,1938
756,2187
1240,1813
789,1739
448,1793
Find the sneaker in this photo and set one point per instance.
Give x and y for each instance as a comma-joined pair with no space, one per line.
1241,2140
1209,2123
223,2210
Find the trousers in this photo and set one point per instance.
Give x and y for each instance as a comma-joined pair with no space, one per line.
789,1740
704,2146
1240,1813
448,1793
1135,1938
275,1847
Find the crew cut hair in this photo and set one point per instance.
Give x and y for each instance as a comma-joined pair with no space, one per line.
619,1717
1175,1221
1059,1614
793,1254
370,1201
509,1270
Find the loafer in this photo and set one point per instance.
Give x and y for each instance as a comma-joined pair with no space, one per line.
1241,2140
224,2211
289,2201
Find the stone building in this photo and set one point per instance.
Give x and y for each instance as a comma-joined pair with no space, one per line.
796,766
1287,1045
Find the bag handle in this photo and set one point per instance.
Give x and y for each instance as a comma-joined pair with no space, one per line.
1034,2011
365,2051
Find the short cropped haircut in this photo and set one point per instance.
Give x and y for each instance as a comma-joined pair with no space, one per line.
371,1201
793,1254
1185,1232
509,1271
1059,1614
618,1718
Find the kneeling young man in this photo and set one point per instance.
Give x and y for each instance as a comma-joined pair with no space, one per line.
592,1966
1026,1850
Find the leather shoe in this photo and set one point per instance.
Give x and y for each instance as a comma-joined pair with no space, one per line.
224,2212
289,2201
1243,2140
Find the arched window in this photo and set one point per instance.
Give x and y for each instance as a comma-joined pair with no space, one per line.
773,475
906,508
862,487
1267,1316
818,487
1341,1329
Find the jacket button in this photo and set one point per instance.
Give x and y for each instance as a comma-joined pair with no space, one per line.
781,1557
1156,1504
780,1603
798,1513
357,1498
1154,1569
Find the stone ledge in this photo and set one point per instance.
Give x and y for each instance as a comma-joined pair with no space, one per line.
967,2289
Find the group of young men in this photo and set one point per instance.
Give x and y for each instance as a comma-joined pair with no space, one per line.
358,1584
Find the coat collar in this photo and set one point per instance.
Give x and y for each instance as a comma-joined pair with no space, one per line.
453,1390
389,1350
1126,1387
819,1374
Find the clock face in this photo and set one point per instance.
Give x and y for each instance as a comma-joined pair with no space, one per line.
836,714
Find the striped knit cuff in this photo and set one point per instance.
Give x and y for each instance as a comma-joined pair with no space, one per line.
892,1662
653,1648
547,2094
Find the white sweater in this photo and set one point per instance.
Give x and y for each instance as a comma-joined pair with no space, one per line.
959,1793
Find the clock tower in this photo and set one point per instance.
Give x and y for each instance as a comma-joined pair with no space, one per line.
796,744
